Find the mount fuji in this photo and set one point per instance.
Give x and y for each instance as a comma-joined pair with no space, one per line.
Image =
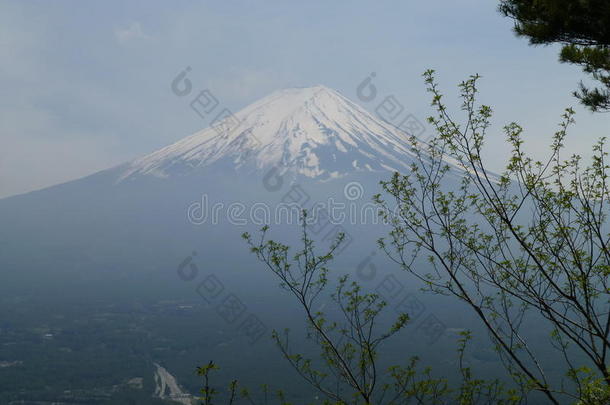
136,216
313,132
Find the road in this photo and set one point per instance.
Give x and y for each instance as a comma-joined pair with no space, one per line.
168,388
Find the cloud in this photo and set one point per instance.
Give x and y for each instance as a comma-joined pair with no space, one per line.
131,33
243,85
31,163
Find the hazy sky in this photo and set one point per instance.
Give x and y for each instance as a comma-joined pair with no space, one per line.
86,85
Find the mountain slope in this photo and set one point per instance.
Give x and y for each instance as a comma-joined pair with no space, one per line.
314,132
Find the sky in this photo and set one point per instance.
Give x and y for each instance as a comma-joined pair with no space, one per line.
87,85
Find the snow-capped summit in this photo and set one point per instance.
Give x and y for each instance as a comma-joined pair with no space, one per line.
312,131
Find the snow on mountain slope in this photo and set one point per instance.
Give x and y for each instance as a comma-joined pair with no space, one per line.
314,132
